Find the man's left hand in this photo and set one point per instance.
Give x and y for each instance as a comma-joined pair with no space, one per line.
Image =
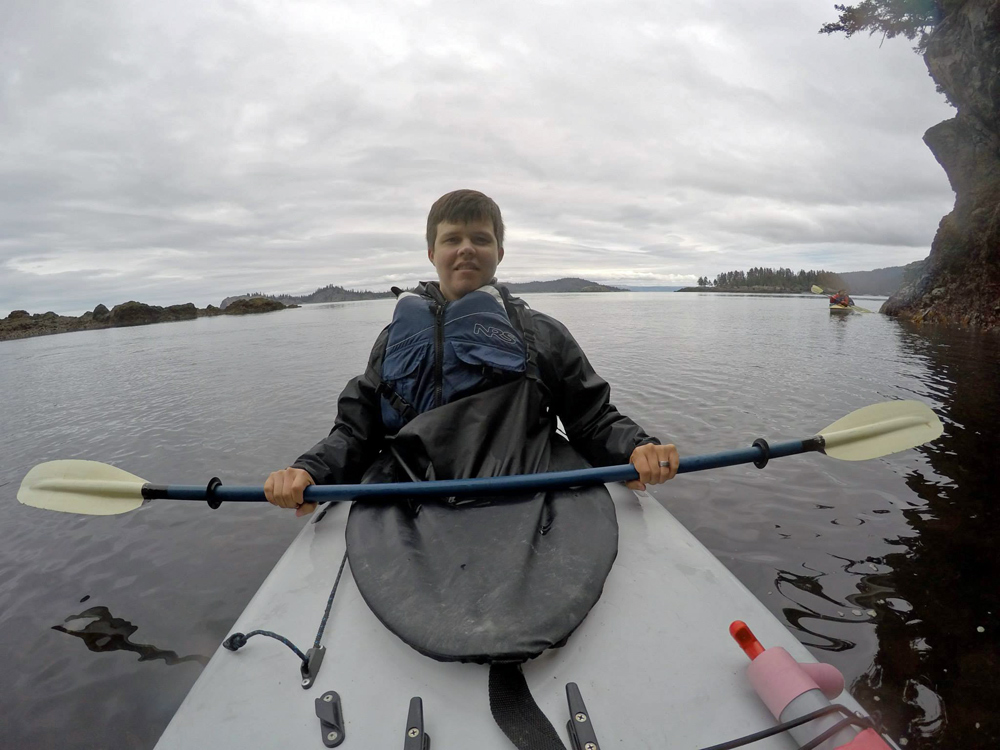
648,460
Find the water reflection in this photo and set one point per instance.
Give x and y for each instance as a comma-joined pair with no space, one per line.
884,568
799,616
937,596
102,631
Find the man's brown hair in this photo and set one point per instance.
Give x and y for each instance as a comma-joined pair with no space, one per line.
462,207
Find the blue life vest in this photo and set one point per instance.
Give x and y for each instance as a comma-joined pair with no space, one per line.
437,353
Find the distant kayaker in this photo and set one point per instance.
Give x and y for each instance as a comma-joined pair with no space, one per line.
841,298
473,378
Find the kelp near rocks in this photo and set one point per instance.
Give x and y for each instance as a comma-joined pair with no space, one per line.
20,324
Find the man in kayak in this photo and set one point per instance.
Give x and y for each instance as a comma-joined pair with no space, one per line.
841,298
446,344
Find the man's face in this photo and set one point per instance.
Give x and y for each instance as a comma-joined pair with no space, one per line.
465,256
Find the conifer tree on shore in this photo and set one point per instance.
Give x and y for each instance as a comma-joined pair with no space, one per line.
784,279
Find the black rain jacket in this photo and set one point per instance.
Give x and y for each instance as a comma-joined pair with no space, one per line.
575,392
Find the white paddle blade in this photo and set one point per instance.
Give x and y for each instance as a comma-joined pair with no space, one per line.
88,487
881,429
817,290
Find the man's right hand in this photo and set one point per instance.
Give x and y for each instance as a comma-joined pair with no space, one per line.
284,489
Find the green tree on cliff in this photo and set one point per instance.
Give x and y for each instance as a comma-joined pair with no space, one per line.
912,19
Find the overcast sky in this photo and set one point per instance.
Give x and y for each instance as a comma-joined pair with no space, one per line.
186,151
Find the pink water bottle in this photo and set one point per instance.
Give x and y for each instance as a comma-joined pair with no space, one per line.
792,690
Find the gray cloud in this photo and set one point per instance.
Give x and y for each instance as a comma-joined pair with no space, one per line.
199,149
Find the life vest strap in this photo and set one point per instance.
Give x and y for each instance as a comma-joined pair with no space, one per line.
518,312
397,402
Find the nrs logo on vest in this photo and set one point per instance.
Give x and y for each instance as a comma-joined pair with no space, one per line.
492,332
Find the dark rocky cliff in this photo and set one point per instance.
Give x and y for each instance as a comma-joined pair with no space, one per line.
960,279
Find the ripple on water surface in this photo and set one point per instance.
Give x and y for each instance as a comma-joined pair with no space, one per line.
886,568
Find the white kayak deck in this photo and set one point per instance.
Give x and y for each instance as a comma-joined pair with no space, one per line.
654,659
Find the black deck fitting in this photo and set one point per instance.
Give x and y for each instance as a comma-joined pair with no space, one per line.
331,718
581,728
416,738
310,667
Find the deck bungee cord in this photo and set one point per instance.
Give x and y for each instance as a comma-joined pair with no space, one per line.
847,720
312,660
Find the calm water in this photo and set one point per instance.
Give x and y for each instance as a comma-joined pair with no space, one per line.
887,569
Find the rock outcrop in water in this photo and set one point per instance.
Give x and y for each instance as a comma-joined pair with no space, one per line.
959,282
139,314
253,305
20,324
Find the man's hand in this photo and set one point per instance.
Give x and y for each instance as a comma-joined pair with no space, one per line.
647,461
284,489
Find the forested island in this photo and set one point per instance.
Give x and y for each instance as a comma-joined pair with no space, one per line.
881,281
328,293
767,281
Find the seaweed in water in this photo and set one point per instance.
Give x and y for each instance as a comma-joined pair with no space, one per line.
101,631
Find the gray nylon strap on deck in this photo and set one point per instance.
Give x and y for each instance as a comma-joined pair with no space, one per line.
517,714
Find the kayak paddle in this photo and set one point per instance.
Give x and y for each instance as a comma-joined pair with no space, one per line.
92,488
818,290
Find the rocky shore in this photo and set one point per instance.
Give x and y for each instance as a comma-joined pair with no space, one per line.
959,282
20,324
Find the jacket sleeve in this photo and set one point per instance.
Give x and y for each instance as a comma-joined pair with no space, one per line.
357,436
582,398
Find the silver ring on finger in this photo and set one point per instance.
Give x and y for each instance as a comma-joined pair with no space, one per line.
665,464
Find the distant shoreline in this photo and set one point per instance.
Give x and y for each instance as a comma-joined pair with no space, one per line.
745,290
335,293
766,291
21,325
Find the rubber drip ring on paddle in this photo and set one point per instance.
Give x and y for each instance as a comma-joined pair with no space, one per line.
212,501
761,443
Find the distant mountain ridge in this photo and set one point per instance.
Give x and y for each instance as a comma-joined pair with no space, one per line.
334,293
880,282
570,284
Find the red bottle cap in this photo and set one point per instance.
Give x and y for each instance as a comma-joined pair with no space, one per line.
746,640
